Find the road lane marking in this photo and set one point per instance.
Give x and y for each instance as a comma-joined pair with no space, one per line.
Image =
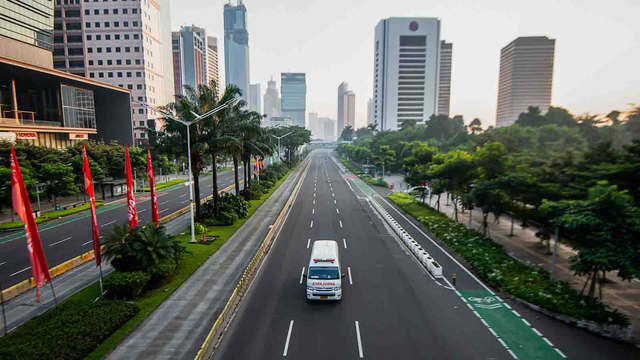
350,279
109,223
334,202
331,189
345,243
88,242
18,272
313,211
308,243
210,185
286,344
515,312
503,343
301,275
164,202
560,353
2,263
340,223
359,340
314,201
526,322
167,209
314,194
337,211
311,223
141,211
547,341
512,354
536,331
184,195
61,241
184,201
332,194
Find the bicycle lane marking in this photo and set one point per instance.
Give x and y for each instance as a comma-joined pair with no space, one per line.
519,338
65,221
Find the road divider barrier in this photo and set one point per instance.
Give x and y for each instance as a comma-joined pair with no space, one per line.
215,334
414,247
26,285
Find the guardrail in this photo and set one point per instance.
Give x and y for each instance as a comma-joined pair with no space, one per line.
434,268
216,332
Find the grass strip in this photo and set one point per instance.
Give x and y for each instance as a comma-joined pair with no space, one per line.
492,264
151,299
49,216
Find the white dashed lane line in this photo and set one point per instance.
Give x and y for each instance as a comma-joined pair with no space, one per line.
107,224
61,241
286,344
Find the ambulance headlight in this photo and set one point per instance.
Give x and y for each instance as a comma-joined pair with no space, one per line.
310,288
337,288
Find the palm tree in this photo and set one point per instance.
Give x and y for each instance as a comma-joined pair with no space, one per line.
347,133
475,125
119,247
254,142
373,128
153,246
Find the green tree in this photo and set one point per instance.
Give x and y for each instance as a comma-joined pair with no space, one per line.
60,180
347,133
475,125
491,160
604,230
532,118
384,156
457,169
489,197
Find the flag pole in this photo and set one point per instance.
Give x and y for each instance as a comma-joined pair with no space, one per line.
53,291
101,292
4,316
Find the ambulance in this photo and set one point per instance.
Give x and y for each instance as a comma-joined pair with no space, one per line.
324,274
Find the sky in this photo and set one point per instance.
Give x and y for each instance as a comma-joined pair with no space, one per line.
596,61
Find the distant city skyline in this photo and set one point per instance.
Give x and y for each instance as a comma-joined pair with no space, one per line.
612,82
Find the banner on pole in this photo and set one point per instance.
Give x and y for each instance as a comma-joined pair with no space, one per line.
155,216
131,200
88,187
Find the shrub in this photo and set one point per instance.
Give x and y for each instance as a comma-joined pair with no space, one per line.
138,248
70,331
267,184
226,218
233,203
200,229
161,272
528,283
125,285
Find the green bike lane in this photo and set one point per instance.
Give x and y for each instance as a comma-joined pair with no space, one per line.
515,333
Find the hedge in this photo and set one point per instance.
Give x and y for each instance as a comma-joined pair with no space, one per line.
125,285
69,331
525,282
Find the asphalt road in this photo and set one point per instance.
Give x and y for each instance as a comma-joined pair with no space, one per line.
67,238
391,307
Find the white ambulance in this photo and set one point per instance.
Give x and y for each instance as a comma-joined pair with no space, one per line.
324,275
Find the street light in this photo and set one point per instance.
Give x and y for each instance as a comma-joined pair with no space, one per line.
187,124
280,137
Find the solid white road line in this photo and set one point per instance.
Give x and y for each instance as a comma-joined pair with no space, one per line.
308,243
109,223
164,202
167,209
343,240
340,223
61,241
350,279
301,275
18,272
286,344
337,211
184,201
359,340
311,223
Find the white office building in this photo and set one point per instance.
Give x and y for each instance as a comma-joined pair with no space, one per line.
406,71
256,104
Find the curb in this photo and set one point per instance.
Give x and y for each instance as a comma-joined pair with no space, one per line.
68,265
217,330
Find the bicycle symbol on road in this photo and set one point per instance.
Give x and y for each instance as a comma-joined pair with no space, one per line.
485,302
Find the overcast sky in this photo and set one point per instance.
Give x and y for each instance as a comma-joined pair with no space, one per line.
596,62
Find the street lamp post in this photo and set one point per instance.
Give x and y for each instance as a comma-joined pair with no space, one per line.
188,124
280,137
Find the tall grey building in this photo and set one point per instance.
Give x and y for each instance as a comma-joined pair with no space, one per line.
294,97
212,62
526,77
444,83
328,127
236,48
271,101
406,60
315,126
189,58
369,111
255,104
342,89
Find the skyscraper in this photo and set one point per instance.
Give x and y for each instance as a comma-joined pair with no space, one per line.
328,127
29,22
350,109
315,126
212,62
255,98
189,58
167,54
342,89
124,48
236,48
444,84
369,111
294,97
271,101
406,59
526,77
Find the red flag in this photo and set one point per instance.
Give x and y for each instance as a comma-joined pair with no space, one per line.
131,200
155,216
88,187
22,206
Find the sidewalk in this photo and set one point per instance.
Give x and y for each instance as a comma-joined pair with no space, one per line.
526,247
